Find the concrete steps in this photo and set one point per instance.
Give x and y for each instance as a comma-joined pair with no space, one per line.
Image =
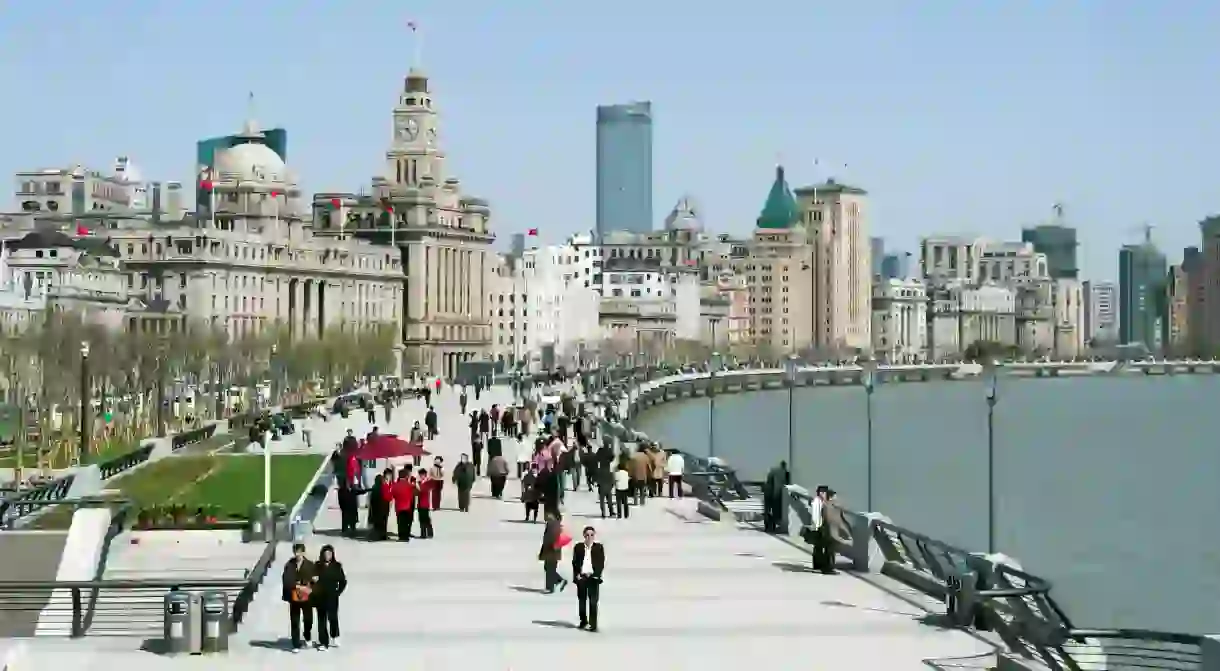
26,556
188,556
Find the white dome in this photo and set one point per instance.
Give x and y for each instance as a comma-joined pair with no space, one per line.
251,161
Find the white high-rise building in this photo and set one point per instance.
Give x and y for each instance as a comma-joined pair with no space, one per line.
543,315
1101,311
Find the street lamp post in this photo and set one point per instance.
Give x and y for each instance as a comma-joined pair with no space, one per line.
711,405
991,379
868,379
791,364
85,402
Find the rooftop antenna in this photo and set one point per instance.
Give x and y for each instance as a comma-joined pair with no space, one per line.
417,40
1147,233
1057,208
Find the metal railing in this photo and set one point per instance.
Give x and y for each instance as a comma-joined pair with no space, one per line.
125,462
191,437
1017,605
124,607
18,506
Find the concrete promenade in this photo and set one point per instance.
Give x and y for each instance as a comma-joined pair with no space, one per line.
681,592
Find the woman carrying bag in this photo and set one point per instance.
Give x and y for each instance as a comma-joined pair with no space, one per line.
329,583
298,583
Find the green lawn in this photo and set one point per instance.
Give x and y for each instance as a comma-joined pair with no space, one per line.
231,483
237,485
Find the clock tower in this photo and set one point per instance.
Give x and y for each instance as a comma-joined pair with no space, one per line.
414,156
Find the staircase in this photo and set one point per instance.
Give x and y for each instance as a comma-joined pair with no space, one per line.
26,556
187,556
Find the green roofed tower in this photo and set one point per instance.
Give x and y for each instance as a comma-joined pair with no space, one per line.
780,210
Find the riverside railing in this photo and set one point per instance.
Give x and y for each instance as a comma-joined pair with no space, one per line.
989,592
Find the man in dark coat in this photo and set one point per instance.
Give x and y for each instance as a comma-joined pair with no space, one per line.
463,477
773,497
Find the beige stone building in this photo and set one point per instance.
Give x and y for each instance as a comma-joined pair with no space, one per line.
808,270
442,235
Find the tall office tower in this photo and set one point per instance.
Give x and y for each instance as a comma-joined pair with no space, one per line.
877,249
624,168
1058,242
895,266
1141,277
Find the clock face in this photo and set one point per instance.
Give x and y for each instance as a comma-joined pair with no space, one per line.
409,130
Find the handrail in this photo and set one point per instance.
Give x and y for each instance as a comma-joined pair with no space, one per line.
18,506
125,462
1016,604
241,603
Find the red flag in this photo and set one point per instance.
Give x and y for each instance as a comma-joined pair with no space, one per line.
387,205
692,262
336,203
275,194
533,232
81,230
205,184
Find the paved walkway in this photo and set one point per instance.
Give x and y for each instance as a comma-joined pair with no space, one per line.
680,593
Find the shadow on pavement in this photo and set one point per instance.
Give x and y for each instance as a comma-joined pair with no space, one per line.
557,624
527,590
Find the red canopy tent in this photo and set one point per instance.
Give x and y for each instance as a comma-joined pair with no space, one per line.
389,446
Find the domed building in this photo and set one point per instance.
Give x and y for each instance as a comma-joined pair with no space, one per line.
441,234
248,260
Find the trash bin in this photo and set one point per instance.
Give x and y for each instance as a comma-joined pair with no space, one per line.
262,524
300,529
215,622
181,626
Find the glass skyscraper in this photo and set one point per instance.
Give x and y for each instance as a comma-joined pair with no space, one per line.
1141,278
624,168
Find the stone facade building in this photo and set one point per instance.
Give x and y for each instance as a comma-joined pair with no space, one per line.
441,235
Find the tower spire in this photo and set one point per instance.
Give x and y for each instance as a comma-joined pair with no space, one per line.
417,46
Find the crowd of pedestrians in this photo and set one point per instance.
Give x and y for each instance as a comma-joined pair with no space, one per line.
552,449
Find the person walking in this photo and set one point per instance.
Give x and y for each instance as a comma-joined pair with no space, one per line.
525,452
529,493
404,504
430,423
553,541
497,472
464,477
656,474
588,564
605,491
588,463
297,582
641,467
424,487
549,488
484,424
622,491
462,399
675,465
378,507
437,476
329,586
773,497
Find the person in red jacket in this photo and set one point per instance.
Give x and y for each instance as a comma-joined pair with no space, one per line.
426,486
404,490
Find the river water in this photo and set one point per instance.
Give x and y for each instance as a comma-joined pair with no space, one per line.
1109,486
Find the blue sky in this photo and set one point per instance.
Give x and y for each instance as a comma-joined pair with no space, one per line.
957,116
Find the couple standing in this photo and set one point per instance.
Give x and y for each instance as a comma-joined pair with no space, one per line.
588,564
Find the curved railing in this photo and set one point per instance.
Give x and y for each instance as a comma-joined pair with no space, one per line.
987,595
